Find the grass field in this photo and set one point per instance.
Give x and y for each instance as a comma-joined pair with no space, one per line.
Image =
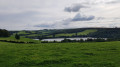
33,34
86,32
22,32
22,38
93,54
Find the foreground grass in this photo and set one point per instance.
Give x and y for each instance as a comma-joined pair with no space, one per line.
96,54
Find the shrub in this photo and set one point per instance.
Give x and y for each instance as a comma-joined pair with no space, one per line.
17,36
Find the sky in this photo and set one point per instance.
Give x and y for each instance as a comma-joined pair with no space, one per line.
58,14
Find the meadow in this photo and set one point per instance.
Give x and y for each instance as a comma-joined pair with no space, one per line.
22,39
89,54
85,32
60,33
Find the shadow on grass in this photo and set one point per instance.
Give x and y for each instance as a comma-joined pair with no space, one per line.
28,62
99,64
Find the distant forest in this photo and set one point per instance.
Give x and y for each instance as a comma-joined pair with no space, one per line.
106,33
4,33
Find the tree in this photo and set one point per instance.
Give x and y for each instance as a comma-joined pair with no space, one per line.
17,36
4,33
76,34
40,37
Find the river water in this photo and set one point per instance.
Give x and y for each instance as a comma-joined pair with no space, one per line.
60,39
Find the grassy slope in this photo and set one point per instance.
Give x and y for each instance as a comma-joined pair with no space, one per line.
86,32
32,33
22,32
96,54
22,38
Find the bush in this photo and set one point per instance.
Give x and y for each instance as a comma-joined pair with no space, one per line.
4,33
17,36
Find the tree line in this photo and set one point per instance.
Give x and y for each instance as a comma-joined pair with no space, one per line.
81,40
4,33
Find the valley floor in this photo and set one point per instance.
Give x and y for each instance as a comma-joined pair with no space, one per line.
92,54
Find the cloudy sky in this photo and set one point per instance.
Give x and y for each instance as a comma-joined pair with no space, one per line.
58,14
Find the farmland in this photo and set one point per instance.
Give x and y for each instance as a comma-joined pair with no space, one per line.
91,54
70,33
26,52
85,32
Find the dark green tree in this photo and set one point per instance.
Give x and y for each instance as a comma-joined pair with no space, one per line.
76,34
4,33
17,36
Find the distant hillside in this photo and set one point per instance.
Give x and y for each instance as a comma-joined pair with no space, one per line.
79,32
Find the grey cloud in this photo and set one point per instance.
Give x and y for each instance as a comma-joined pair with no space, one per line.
55,25
100,18
19,17
43,25
79,17
97,2
117,18
113,2
74,8
66,22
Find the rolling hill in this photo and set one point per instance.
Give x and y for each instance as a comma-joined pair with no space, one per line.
62,33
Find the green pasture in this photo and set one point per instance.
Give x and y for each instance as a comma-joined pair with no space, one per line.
91,54
86,32
22,32
22,38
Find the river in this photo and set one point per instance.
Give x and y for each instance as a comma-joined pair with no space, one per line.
60,39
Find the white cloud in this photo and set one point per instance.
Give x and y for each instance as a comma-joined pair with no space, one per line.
25,14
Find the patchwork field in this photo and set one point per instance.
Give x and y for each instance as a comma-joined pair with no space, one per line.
85,32
22,38
60,33
91,54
